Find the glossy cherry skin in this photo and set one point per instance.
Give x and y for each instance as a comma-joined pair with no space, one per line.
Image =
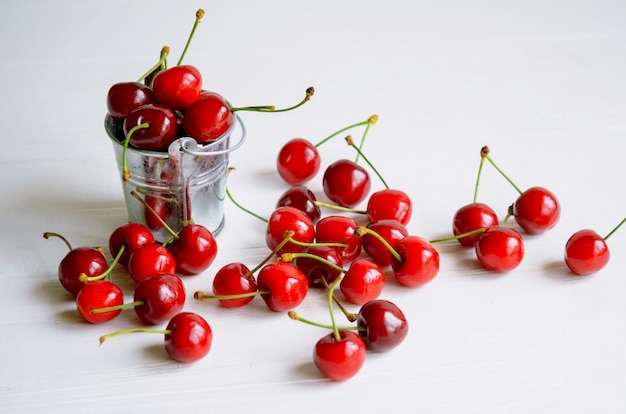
234,279
390,230
300,197
536,210
382,324
471,217
160,133
99,294
315,270
339,229
340,360
285,219
500,249
389,204
194,249
163,296
586,252
346,183
88,260
363,281
420,261
298,161
124,97
286,284
208,118
177,87
190,337
148,260
129,235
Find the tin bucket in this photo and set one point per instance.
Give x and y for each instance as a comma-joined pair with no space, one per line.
186,184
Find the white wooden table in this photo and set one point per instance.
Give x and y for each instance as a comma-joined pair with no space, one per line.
542,83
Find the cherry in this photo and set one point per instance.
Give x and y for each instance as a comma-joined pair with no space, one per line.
148,260
340,358
500,249
89,261
234,279
129,236
346,183
284,219
157,212
177,87
99,294
391,231
283,285
382,325
536,210
124,97
194,249
208,118
389,204
586,252
300,197
298,161
419,262
314,269
363,281
339,229
154,127
471,217
188,337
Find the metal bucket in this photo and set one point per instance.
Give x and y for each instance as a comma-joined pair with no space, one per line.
186,184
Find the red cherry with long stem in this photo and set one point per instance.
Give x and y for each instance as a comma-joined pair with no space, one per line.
285,285
316,270
419,262
339,229
500,249
150,259
90,261
177,87
188,337
391,231
586,252
300,197
130,236
99,294
284,219
161,129
382,325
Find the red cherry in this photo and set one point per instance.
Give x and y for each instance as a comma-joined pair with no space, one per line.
419,264
346,183
234,279
129,235
391,231
159,210
208,118
177,87
339,229
316,270
189,337
382,324
148,260
163,296
389,204
536,210
302,198
471,217
500,249
124,97
339,359
160,133
586,252
194,249
99,294
285,284
298,161
363,281
283,220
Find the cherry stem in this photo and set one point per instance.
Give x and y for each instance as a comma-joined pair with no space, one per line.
349,315
366,122
459,236
288,257
358,150
230,196
371,121
160,65
615,229
86,279
362,230
49,234
270,108
199,15
294,316
132,330
125,172
485,151
155,214
119,307
340,208
331,295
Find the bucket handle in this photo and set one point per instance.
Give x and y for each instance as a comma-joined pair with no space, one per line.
188,141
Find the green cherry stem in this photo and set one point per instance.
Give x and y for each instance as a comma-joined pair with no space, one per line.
199,16
125,171
459,236
132,330
350,142
270,108
340,208
86,279
49,234
156,215
294,315
119,307
160,65
372,119
362,230
485,154
232,199
331,296
615,229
